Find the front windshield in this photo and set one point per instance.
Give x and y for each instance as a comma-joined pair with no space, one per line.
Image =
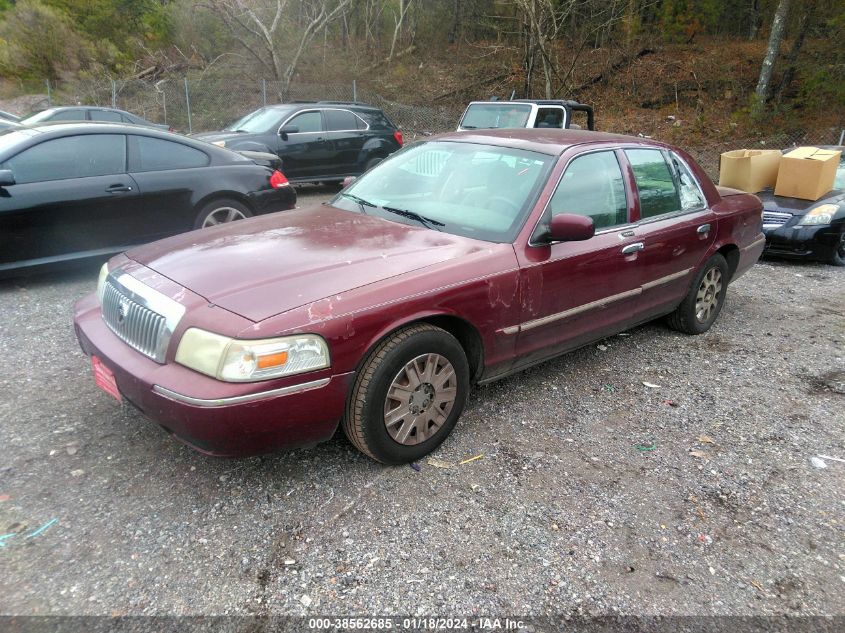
496,115
478,191
839,183
262,120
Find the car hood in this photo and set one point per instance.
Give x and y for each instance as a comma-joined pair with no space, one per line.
797,206
264,266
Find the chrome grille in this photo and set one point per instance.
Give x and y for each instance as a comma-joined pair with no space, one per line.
140,316
774,219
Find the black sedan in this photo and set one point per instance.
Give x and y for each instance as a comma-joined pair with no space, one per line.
804,229
76,191
90,113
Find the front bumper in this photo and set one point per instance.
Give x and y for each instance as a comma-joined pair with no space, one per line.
801,242
214,417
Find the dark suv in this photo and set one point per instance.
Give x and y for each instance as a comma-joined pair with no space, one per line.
321,141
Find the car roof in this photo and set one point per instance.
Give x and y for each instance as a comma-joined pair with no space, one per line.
355,105
542,140
57,129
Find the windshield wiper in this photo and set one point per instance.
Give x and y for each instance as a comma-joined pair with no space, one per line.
361,202
412,215
470,127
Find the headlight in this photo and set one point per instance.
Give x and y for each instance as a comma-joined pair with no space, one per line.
219,143
101,281
822,214
234,360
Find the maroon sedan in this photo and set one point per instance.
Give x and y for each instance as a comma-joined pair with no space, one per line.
457,261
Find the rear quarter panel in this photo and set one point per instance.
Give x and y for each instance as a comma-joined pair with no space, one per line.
740,223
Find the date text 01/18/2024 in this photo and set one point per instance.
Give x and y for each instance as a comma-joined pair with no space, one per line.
415,624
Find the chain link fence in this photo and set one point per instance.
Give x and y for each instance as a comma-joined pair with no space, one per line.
210,101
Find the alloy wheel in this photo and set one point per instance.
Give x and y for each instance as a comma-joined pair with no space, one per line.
707,298
222,216
420,399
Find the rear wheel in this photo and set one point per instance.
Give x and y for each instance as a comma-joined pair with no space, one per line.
372,163
221,211
408,395
705,298
838,256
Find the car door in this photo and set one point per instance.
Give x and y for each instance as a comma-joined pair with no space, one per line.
675,229
572,292
306,153
167,173
71,196
347,134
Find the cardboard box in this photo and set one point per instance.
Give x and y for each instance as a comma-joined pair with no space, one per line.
807,173
749,170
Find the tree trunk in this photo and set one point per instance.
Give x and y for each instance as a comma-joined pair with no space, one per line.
778,26
754,20
804,23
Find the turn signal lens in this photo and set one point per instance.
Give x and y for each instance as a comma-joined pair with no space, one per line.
277,179
272,360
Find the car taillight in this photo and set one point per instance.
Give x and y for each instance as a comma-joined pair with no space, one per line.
277,179
398,136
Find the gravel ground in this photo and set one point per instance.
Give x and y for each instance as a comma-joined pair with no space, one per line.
564,513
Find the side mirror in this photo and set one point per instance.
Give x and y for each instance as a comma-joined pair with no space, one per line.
570,227
288,129
348,181
7,178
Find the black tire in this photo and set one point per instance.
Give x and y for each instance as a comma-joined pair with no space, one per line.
216,208
837,258
365,420
372,163
689,317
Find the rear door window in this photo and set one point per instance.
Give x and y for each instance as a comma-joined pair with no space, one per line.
70,157
656,186
155,154
340,120
549,117
105,115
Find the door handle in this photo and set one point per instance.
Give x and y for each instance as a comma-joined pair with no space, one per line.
633,248
118,188
704,228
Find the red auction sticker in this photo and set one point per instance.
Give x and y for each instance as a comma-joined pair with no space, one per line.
104,378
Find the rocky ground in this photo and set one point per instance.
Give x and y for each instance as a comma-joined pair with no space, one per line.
700,492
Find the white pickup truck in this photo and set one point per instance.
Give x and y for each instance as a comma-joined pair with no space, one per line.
530,113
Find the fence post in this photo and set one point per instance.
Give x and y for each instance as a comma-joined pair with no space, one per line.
264,92
354,91
164,105
841,136
188,104
113,94
49,95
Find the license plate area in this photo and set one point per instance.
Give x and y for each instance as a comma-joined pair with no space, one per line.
104,377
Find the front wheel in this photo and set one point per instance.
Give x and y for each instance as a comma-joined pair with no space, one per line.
838,256
221,212
705,298
408,395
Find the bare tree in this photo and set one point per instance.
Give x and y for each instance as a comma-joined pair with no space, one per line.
255,24
404,5
778,27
